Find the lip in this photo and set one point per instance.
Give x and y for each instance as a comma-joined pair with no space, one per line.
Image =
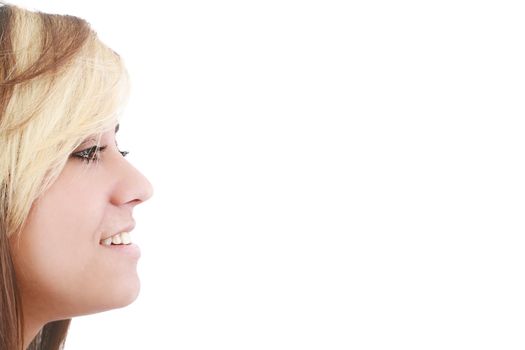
128,229
131,250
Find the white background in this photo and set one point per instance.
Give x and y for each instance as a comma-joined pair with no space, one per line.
327,174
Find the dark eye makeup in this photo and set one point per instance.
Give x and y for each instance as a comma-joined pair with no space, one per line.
92,154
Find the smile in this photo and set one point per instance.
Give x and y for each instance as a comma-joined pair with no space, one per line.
117,239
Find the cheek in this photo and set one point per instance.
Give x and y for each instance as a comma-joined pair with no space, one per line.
56,251
68,214
56,258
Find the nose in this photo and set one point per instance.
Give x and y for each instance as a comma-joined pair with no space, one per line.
132,186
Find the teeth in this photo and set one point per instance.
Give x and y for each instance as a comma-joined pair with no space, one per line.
125,237
119,238
116,239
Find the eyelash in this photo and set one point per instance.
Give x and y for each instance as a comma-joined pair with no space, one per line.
88,155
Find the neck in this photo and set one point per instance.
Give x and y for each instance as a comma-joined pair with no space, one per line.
31,328
35,318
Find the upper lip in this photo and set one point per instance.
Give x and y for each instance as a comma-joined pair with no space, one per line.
128,228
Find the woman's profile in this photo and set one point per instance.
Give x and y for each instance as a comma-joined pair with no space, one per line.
66,191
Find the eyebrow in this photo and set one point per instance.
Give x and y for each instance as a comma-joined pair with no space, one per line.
117,127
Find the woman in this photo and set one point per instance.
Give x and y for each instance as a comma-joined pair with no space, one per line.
66,191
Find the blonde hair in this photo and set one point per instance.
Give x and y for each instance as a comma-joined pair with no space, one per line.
59,84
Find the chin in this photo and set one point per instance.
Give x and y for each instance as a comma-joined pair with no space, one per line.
122,294
114,296
129,293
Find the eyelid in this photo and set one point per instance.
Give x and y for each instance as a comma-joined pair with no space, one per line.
87,154
91,154
91,149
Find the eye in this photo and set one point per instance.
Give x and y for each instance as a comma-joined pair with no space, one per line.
92,154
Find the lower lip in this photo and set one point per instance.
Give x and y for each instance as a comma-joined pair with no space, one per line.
131,250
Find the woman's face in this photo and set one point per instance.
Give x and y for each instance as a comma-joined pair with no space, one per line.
62,268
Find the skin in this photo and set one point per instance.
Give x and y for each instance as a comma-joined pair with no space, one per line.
62,269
